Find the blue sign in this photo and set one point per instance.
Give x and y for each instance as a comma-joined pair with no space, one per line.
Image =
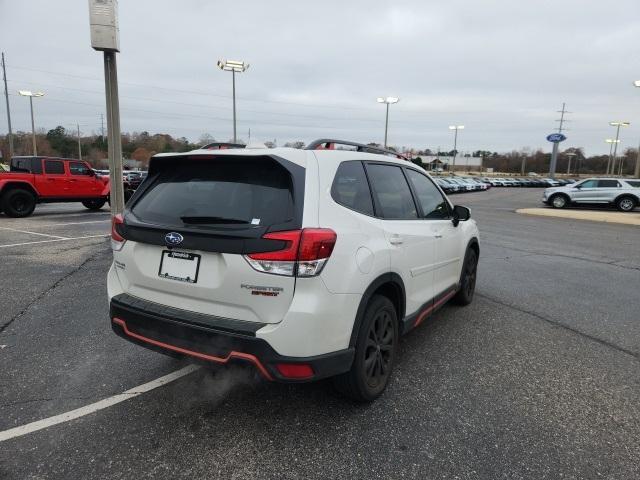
556,138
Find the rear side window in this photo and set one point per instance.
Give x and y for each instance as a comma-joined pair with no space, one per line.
22,165
634,183
53,166
351,189
433,204
608,184
225,192
391,192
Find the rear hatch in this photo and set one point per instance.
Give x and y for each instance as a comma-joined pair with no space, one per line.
190,223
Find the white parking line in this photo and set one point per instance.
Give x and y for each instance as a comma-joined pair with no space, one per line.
94,407
33,233
72,223
63,239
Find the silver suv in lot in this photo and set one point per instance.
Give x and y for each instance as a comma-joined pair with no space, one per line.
624,194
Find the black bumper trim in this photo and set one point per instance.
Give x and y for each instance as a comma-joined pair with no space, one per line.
135,306
150,328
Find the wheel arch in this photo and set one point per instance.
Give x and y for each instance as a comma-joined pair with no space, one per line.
635,199
389,285
13,185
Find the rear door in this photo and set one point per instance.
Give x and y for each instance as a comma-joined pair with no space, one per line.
607,190
53,181
190,225
412,239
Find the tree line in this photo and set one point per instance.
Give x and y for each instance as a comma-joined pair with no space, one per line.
140,146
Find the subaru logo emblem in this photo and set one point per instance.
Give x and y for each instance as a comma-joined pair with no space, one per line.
173,238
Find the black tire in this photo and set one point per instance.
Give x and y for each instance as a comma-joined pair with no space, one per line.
18,203
559,201
375,353
467,279
626,204
94,204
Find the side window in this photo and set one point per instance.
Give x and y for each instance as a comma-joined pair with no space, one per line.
350,188
589,184
634,183
608,184
391,192
78,168
36,165
53,167
434,205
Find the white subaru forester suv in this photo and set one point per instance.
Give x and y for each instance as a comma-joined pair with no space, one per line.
307,264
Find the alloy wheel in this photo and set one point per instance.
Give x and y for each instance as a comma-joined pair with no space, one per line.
379,349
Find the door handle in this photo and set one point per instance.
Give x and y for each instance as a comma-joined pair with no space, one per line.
395,239
438,235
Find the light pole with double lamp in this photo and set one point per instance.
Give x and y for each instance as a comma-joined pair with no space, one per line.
610,141
455,128
617,141
233,66
636,173
388,101
30,94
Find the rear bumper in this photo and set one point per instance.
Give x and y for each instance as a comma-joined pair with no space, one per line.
214,340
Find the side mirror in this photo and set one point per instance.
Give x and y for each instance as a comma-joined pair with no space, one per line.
460,214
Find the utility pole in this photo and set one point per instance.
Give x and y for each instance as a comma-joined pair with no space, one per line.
102,125
554,152
637,172
79,146
6,97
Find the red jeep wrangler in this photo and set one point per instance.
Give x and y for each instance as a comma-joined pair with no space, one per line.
33,180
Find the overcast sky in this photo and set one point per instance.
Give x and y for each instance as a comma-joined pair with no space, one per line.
501,68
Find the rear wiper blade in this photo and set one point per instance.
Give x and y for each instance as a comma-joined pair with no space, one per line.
212,220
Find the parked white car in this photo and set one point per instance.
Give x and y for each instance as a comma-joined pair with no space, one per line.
306,264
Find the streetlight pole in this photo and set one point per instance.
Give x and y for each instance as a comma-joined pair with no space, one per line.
30,94
616,124
637,170
79,145
455,144
233,66
388,101
570,155
6,98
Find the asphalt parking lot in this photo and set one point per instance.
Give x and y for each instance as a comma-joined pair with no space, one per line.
538,378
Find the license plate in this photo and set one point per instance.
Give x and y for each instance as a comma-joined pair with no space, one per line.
180,266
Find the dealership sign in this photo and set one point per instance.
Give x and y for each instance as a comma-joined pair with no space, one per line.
556,138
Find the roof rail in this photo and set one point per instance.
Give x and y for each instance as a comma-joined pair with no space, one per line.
222,146
329,144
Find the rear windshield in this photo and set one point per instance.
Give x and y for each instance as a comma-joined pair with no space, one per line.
232,193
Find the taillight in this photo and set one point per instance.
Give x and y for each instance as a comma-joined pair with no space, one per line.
117,240
304,253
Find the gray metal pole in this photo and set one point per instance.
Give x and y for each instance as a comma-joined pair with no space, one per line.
615,151
637,172
554,160
6,97
609,160
113,133
386,126
455,151
79,146
33,128
233,72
